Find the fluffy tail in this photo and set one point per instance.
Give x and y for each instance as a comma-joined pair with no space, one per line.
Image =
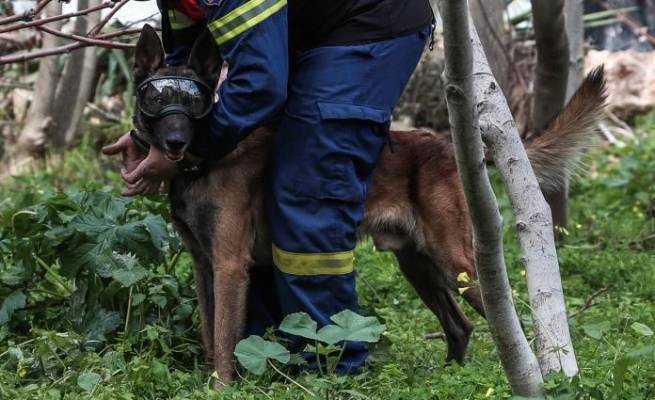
555,152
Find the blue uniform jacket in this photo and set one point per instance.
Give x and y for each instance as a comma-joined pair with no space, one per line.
252,37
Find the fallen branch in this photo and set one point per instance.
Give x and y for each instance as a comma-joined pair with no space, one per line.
589,302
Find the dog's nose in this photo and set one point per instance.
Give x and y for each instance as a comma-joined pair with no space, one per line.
175,144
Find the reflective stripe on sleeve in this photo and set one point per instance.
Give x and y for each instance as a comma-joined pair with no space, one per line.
313,263
242,18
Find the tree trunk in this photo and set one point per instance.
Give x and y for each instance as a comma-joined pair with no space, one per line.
550,88
519,363
29,145
574,22
533,221
489,22
76,83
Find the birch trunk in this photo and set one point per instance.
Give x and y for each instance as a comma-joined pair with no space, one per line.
519,363
533,220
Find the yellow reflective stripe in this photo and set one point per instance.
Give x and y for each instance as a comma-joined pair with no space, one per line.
179,20
313,263
243,18
236,13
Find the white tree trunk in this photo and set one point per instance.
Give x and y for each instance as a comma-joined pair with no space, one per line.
519,363
533,220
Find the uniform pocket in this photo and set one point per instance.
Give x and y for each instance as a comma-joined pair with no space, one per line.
330,110
338,188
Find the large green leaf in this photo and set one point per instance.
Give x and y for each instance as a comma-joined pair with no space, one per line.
11,303
253,353
641,329
299,324
357,327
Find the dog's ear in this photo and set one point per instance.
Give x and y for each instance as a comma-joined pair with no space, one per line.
205,59
149,54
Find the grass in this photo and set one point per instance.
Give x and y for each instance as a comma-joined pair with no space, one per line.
609,251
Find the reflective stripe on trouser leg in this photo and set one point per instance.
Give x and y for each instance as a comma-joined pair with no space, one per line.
334,128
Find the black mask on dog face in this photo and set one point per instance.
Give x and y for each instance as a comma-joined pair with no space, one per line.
158,97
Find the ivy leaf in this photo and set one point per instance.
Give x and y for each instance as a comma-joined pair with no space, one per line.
15,301
596,330
641,329
88,380
358,328
253,353
299,324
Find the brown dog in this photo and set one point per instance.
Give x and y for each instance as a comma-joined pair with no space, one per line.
416,207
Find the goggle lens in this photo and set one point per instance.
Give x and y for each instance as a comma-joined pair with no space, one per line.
156,94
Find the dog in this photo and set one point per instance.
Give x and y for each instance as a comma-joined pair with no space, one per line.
415,208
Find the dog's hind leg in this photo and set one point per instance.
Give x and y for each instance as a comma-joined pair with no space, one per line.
431,286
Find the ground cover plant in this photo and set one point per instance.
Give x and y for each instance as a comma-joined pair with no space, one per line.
97,299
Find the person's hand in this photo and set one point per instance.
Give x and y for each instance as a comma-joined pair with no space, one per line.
149,175
132,155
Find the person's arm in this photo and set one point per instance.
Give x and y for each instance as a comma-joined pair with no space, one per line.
253,39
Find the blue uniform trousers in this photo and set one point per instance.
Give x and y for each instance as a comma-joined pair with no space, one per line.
333,130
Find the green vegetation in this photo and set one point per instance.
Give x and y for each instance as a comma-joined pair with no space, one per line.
97,300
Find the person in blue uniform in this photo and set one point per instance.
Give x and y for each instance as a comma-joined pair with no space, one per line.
326,75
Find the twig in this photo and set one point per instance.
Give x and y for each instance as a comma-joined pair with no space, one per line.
590,301
27,15
636,27
84,39
67,48
43,21
609,136
435,335
625,127
96,29
290,379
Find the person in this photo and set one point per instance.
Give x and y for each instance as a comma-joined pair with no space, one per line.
326,75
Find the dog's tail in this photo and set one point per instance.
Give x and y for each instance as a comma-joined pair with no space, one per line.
555,152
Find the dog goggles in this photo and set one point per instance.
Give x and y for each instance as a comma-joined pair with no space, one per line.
165,95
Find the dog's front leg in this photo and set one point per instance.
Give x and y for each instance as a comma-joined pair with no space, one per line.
230,299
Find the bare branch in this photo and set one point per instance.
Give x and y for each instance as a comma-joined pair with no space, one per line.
43,21
27,15
96,29
88,40
70,47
